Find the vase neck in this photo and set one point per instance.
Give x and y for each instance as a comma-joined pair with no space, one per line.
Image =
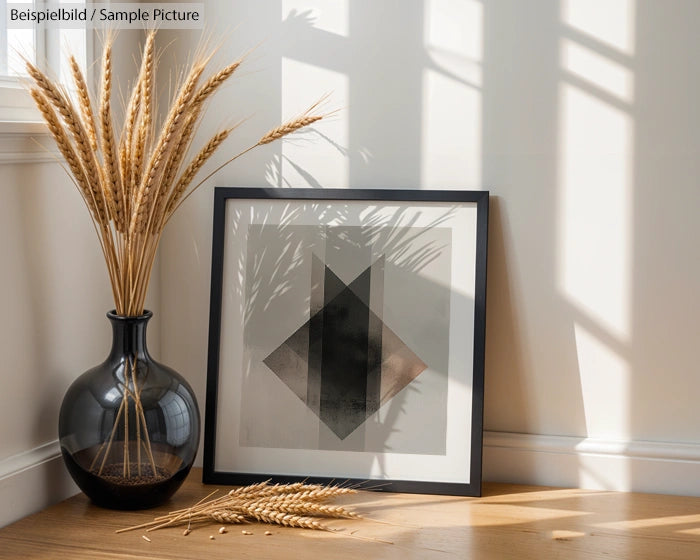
129,335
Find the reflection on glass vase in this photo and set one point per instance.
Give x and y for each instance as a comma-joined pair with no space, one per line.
129,428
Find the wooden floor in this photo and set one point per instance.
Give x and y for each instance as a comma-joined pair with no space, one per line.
509,522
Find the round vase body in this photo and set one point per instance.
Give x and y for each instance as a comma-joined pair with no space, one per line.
129,428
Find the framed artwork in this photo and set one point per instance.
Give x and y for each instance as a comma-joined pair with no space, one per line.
346,338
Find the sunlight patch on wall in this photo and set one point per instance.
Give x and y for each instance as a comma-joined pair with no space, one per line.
595,215
599,71
455,26
452,104
451,139
327,15
607,21
316,157
595,207
604,386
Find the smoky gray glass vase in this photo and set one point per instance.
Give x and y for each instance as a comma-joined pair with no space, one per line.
129,427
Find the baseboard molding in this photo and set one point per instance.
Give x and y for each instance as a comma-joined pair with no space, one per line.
31,481
629,466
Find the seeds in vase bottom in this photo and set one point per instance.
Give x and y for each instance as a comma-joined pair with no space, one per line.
136,474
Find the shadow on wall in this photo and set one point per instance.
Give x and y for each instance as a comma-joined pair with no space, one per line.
399,66
382,63
574,109
665,261
374,59
590,122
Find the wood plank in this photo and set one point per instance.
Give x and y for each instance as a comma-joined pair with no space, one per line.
508,522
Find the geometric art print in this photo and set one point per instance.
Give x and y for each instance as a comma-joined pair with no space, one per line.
346,336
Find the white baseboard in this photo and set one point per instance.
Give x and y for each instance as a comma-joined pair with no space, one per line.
629,466
35,479
31,481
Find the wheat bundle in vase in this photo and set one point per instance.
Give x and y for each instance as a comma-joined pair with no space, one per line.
133,178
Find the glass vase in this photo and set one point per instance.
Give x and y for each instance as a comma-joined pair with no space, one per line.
129,427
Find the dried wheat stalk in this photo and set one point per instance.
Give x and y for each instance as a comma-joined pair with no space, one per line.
288,128
130,150
286,519
226,517
294,507
84,101
302,492
111,173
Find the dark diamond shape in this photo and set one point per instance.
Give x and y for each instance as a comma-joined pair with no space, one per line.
345,363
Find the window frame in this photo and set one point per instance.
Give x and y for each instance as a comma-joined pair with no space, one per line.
24,137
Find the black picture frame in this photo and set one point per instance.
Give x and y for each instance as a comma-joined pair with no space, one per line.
421,236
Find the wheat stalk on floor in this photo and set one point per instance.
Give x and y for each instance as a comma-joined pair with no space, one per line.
291,505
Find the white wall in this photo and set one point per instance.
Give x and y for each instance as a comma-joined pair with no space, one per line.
581,119
54,292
